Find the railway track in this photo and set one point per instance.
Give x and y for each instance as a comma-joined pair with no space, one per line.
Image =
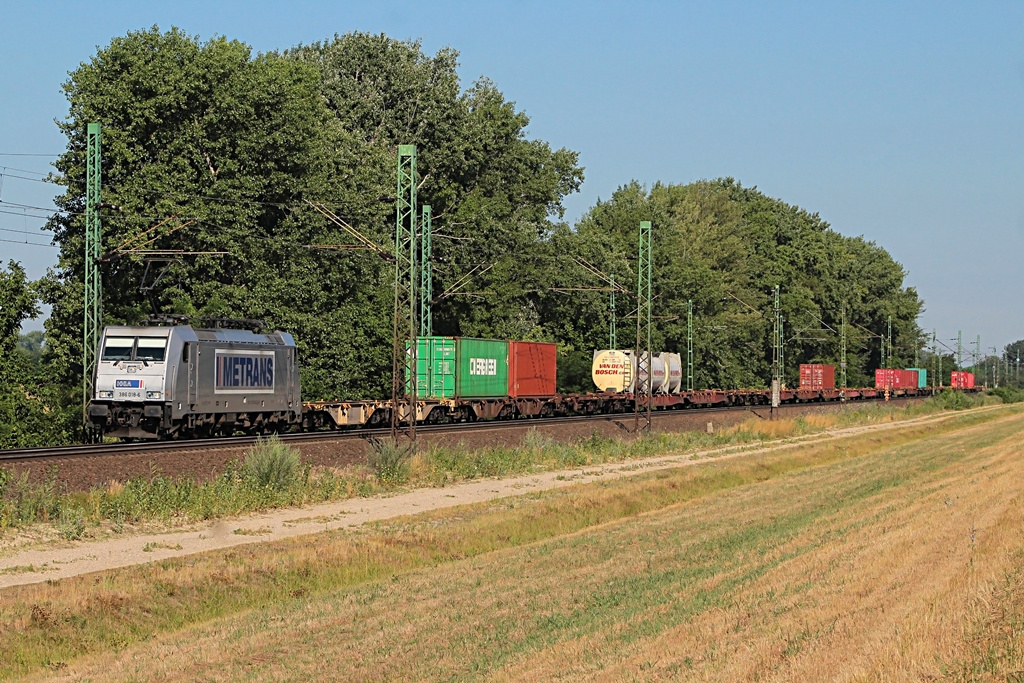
624,420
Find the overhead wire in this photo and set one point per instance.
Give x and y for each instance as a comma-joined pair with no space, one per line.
35,244
64,181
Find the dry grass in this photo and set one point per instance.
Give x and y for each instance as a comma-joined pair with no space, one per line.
882,557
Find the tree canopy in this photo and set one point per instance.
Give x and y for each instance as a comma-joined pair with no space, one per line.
726,247
234,144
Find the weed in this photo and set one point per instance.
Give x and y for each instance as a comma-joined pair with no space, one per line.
271,464
72,525
957,400
390,461
271,475
150,547
534,440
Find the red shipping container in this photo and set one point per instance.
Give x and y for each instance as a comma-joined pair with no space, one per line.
961,379
886,378
532,368
816,376
909,379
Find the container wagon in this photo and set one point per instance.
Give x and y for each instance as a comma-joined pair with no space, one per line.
463,378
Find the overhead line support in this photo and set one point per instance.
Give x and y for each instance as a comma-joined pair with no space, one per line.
689,345
842,350
403,361
777,353
612,335
93,319
644,365
426,275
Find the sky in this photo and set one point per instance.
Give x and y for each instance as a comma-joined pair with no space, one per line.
897,121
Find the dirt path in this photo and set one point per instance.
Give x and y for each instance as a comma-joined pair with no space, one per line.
37,566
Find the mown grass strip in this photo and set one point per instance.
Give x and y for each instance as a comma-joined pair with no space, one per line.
46,625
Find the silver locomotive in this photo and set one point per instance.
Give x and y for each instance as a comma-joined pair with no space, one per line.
178,381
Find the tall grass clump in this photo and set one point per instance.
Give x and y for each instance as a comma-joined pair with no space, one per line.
390,461
271,465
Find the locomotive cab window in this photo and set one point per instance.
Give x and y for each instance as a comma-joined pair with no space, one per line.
151,349
118,348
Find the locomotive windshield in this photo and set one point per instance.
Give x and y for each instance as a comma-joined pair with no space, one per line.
134,348
118,348
151,349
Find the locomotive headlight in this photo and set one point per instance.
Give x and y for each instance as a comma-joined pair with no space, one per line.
106,394
154,394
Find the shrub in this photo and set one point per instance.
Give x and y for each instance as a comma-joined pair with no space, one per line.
1008,394
958,400
390,461
271,464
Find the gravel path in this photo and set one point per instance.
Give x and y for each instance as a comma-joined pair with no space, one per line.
37,566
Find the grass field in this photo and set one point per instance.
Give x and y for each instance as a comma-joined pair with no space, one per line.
884,556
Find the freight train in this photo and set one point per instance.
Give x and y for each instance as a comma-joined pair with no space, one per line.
177,381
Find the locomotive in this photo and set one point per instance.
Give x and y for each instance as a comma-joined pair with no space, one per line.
179,381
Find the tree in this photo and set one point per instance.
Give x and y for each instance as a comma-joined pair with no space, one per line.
29,400
726,247
208,133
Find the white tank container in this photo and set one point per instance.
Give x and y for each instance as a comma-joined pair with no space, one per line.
614,370
674,376
659,378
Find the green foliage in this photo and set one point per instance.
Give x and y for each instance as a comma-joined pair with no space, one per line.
33,408
726,247
958,400
1008,394
230,145
32,345
72,524
271,464
390,460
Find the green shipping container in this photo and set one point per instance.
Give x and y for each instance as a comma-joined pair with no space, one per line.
922,377
435,367
482,368
460,367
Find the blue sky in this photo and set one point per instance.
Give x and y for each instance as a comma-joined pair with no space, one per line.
900,122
